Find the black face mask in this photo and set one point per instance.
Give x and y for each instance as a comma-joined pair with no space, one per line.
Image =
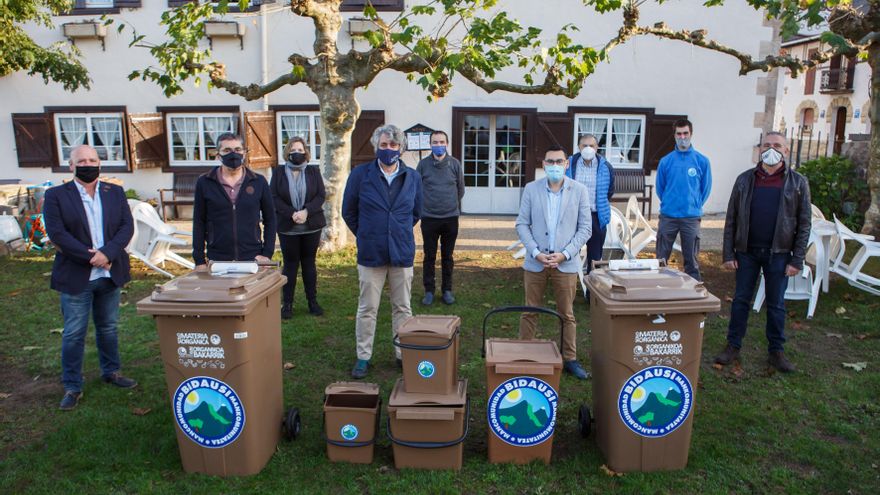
232,160
87,174
296,158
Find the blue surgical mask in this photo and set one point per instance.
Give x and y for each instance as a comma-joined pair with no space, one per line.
554,172
388,156
683,143
438,150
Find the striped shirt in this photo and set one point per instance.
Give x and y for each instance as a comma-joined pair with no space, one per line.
586,175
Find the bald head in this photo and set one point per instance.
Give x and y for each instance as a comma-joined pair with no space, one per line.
84,155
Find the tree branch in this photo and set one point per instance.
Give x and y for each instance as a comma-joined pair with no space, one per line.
217,74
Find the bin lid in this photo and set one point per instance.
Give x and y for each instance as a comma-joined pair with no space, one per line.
401,398
206,294
439,326
523,351
630,288
354,388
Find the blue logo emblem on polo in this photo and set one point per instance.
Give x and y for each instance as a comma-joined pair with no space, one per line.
349,432
522,411
426,369
208,411
692,172
655,401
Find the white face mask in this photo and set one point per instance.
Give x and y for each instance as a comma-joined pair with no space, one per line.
771,157
588,153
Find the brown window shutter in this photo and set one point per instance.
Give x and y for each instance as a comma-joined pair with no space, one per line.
553,129
660,139
259,137
810,75
147,144
34,141
361,148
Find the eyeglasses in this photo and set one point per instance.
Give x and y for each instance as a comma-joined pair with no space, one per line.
555,162
226,151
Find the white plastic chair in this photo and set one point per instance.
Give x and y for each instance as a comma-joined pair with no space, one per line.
642,234
153,239
618,235
804,286
852,271
816,213
520,253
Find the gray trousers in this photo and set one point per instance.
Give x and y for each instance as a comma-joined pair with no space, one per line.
689,229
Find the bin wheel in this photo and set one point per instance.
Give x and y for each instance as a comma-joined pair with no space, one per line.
585,420
292,424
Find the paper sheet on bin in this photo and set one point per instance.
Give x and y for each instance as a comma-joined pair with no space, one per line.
643,264
224,268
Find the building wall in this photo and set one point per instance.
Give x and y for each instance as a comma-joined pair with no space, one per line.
668,76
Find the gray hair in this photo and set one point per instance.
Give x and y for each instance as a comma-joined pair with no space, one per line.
395,133
584,136
776,133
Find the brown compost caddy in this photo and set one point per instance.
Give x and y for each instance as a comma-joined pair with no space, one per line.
351,421
429,353
220,340
647,331
522,380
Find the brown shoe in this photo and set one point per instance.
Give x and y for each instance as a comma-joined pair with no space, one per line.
727,356
780,362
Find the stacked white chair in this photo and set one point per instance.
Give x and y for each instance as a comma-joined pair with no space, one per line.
804,286
153,239
852,271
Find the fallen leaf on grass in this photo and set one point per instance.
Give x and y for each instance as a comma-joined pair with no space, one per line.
5,395
737,370
350,318
856,366
59,331
289,366
796,325
384,469
840,310
607,471
14,293
47,274
718,367
728,298
486,305
140,411
31,347
834,335
862,336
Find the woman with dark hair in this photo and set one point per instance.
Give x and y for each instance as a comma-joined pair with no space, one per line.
298,194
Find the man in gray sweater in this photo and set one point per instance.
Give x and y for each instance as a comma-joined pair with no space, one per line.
443,188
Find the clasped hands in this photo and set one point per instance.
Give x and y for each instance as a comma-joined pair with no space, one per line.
99,259
551,260
300,216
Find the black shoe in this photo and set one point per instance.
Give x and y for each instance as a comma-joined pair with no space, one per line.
399,363
70,400
778,360
286,311
727,356
448,298
428,299
315,308
120,381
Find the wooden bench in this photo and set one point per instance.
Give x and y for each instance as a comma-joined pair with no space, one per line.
182,192
632,181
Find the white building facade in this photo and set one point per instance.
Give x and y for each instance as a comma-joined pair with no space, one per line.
145,139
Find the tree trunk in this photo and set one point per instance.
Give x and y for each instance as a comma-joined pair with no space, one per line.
339,112
872,216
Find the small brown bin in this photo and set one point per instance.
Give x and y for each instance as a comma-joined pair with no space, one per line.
429,349
351,421
522,379
428,430
220,340
647,338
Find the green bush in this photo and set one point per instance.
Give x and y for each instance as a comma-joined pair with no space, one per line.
132,194
837,189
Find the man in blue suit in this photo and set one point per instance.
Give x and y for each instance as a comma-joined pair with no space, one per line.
381,205
554,223
90,224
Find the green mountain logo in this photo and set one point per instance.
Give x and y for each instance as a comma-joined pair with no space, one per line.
209,422
522,420
658,411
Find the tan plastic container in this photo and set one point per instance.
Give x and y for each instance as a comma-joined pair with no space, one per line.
429,350
220,339
351,421
647,337
428,430
522,378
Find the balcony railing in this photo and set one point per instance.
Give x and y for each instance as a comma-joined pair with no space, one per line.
836,81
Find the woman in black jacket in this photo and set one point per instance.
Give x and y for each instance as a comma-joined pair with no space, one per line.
298,194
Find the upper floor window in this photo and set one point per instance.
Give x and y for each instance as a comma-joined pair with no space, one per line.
379,5
621,137
103,131
193,137
306,125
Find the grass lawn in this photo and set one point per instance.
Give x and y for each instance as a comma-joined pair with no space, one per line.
815,431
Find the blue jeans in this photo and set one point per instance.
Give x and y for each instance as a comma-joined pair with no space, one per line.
751,264
101,298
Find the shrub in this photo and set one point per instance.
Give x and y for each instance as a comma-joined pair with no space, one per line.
837,189
132,194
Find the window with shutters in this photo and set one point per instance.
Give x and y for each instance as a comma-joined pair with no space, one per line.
231,5
90,7
192,137
379,5
306,125
102,131
621,137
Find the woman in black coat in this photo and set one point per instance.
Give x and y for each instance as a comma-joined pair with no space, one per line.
298,193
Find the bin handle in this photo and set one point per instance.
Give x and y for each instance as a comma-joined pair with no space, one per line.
419,347
521,309
433,445
343,443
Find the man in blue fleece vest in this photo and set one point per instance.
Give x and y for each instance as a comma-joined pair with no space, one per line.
684,180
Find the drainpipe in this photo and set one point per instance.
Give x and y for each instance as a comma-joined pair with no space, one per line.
264,55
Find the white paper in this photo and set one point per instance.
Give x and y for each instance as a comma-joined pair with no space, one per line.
425,141
412,142
233,267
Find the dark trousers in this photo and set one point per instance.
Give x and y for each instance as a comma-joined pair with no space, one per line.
751,264
444,230
101,299
597,240
299,250
689,228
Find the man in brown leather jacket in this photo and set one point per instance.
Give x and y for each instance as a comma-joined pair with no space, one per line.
767,229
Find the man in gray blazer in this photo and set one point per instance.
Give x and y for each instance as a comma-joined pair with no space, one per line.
553,224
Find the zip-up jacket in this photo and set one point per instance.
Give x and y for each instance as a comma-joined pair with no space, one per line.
793,217
232,231
604,186
683,183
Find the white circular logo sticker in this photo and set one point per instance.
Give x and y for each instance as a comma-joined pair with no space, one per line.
674,335
655,401
208,411
349,432
692,172
426,369
215,339
522,411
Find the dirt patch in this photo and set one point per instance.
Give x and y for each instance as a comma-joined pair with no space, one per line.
26,394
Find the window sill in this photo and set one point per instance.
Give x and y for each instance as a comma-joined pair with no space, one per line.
95,11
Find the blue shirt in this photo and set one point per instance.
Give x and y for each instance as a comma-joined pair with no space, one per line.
390,177
586,175
554,200
95,217
683,183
